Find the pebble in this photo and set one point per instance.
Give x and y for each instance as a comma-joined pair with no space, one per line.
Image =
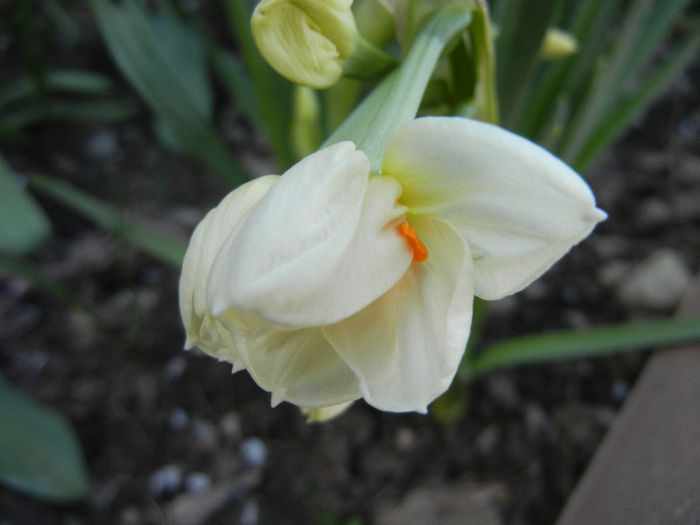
178,419
197,482
619,390
250,514
175,367
165,481
102,144
254,452
657,283
230,426
204,434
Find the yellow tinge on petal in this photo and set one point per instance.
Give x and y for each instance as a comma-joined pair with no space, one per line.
306,41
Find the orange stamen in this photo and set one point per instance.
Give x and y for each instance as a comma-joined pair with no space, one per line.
420,252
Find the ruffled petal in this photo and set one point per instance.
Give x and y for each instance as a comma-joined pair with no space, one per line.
201,328
406,346
298,366
317,248
519,207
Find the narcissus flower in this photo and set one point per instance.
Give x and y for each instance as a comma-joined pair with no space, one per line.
331,283
306,41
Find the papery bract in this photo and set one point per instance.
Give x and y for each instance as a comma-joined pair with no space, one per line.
316,282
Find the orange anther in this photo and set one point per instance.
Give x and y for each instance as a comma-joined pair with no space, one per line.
420,252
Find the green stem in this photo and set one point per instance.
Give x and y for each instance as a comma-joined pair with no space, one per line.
397,98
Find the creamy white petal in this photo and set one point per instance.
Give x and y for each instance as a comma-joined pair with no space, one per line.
298,366
406,346
519,207
317,248
203,330
318,415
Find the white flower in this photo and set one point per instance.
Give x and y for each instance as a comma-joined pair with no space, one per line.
330,284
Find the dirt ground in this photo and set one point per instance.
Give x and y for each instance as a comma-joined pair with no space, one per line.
172,437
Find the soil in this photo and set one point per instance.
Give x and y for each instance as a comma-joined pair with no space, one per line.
172,437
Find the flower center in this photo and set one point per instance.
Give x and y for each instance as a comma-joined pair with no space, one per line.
420,252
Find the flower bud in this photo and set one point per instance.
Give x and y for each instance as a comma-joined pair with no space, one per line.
306,41
558,44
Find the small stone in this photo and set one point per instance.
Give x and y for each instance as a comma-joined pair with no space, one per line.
178,419
204,434
197,482
175,367
103,144
619,390
230,426
405,438
250,514
165,481
254,452
657,283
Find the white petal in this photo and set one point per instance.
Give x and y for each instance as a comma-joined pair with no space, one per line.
519,207
298,366
320,246
202,329
406,346
318,415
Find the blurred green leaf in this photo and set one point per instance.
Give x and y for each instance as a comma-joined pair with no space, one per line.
87,110
23,224
39,453
554,346
615,122
273,93
150,240
68,80
164,60
522,25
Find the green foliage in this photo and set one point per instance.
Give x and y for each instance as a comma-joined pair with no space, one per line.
578,106
598,341
150,240
23,224
165,61
34,99
39,453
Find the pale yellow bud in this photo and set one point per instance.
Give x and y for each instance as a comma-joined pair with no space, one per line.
306,41
558,44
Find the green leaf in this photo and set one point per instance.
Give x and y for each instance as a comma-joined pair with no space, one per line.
273,93
615,123
68,80
23,224
163,60
150,240
90,111
577,344
39,453
522,27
